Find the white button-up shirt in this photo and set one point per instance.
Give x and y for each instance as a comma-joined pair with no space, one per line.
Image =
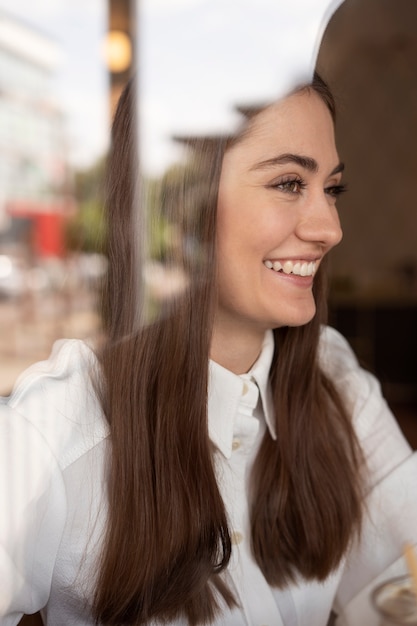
53,450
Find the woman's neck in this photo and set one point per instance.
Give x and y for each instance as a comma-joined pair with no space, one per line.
236,349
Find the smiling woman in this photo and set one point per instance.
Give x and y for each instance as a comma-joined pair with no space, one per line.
223,460
276,221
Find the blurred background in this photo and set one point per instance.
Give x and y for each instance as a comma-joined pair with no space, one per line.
63,65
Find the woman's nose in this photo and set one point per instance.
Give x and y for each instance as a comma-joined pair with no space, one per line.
320,222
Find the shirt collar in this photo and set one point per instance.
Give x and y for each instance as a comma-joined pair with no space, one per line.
225,391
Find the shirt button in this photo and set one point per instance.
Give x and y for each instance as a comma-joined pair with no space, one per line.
245,389
235,444
236,537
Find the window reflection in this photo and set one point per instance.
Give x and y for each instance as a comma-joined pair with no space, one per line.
54,121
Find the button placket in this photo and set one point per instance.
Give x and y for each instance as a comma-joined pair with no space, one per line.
248,578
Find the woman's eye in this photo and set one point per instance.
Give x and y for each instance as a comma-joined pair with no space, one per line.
335,190
294,186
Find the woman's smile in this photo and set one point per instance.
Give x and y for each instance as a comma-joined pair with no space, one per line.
295,268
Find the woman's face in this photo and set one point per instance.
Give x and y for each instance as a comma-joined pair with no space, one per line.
277,216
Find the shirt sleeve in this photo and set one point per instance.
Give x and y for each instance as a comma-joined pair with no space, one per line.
390,522
32,516
390,511
383,444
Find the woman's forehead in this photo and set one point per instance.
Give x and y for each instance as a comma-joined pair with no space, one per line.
289,113
292,119
300,123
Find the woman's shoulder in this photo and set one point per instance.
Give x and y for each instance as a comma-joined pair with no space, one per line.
58,396
340,364
361,393
66,356
336,355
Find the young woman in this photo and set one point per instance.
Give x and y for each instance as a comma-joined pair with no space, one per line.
226,460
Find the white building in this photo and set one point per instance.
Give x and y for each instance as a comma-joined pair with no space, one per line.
33,166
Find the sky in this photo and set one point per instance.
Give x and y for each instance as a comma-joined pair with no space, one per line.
201,58
197,60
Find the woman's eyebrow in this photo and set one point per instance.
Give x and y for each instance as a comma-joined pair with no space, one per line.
338,169
305,162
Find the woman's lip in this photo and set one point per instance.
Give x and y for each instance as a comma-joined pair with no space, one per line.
302,259
293,279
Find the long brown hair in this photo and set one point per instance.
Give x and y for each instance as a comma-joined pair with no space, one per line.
167,542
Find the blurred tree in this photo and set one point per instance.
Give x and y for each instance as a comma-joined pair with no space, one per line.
175,203
86,230
172,203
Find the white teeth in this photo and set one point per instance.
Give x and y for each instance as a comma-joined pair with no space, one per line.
298,268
